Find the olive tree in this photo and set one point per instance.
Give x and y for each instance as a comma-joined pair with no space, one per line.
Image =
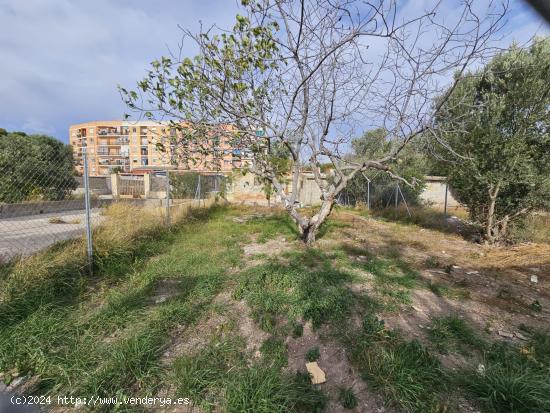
310,75
497,122
35,167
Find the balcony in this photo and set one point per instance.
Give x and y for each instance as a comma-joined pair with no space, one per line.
108,132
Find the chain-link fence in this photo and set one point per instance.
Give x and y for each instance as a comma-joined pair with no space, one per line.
42,202
383,193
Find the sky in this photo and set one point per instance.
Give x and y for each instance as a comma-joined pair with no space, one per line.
63,59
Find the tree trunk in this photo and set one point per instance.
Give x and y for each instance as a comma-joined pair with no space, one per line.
309,230
491,232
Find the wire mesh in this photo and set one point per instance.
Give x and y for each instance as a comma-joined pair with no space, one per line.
41,200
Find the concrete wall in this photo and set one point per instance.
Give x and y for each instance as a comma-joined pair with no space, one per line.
310,194
434,193
47,207
246,189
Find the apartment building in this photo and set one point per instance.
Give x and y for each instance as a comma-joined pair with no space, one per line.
126,146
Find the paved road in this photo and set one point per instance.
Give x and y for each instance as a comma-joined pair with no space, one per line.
28,234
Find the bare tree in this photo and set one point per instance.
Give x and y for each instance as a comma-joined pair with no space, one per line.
307,76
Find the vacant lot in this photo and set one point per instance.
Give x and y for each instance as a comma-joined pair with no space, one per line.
227,307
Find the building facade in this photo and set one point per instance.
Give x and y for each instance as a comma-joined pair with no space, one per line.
128,146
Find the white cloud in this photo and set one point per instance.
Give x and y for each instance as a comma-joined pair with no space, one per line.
62,59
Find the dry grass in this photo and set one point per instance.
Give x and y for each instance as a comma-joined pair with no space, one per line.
518,256
534,228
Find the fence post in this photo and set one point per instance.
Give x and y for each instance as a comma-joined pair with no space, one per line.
396,195
368,195
89,247
445,207
167,198
198,190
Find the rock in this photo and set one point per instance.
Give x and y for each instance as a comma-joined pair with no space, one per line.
472,272
520,336
317,375
16,383
534,279
506,334
481,368
456,267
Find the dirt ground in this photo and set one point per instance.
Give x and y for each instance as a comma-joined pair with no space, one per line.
507,287
503,286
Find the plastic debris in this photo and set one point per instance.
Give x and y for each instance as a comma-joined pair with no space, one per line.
317,375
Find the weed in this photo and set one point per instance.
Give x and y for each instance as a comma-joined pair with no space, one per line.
452,332
405,372
512,381
297,329
313,354
536,306
347,398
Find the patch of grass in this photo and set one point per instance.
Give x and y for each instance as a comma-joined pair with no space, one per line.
306,287
433,262
534,227
104,335
201,376
393,278
274,351
330,226
405,372
272,225
297,329
391,271
347,398
394,299
427,218
313,354
514,379
538,344
452,333
454,293
219,375
266,390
